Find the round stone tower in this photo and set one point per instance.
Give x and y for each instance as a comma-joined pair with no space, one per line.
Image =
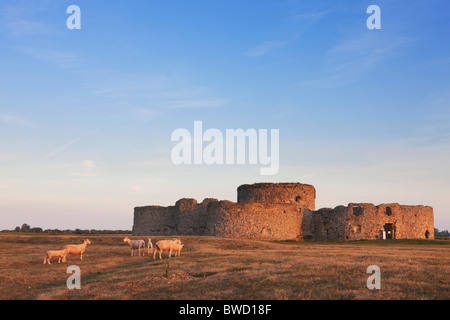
303,195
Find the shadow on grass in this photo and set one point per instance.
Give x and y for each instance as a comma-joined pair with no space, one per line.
115,274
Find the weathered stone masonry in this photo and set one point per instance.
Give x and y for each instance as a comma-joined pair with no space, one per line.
366,221
284,211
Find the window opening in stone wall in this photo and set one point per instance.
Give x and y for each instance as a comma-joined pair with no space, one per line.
298,199
388,211
389,229
357,210
266,231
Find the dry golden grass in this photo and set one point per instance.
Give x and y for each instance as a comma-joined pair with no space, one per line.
214,268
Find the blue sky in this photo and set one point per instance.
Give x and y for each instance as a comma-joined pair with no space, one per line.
86,115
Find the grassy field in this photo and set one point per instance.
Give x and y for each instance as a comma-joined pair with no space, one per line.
214,268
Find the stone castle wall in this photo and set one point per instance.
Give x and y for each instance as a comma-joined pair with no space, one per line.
221,219
254,220
303,195
284,211
187,217
366,221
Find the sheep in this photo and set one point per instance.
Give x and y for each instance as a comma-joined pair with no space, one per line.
150,246
135,244
56,253
78,248
166,245
177,248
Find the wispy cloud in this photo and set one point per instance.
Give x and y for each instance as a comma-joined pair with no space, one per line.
23,19
265,47
349,60
89,164
64,147
310,16
20,27
192,103
436,120
61,58
153,93
30,32
300,23
15,120
61,148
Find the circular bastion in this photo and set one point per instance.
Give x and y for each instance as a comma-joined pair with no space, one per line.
303,195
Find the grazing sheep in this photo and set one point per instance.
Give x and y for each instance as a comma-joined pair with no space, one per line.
77,248
135,244
166,245
150,246
56,253
177,248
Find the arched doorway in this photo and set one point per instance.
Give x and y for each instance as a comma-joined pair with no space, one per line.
389,229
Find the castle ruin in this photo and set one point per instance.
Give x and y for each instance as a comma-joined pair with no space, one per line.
284,211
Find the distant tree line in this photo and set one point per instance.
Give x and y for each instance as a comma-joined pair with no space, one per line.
443,233
28,229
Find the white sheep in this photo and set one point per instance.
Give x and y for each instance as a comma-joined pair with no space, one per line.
77,248
166,245
177,249
149,246
56,253
135,245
